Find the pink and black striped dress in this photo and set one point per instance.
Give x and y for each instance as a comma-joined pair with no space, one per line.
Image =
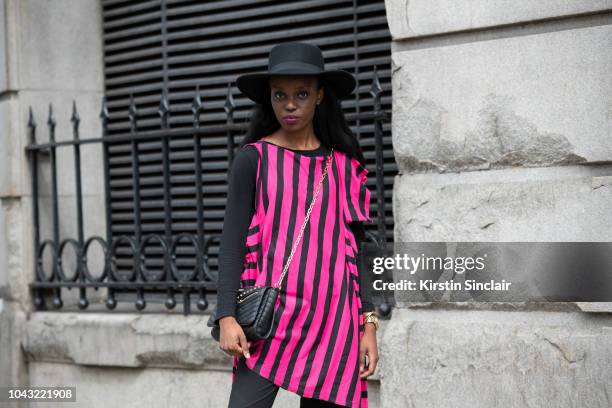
314,346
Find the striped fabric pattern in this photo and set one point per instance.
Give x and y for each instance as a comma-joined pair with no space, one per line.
314,346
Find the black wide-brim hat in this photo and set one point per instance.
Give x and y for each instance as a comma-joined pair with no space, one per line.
295,58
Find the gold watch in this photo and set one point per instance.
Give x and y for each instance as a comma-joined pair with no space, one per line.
370,317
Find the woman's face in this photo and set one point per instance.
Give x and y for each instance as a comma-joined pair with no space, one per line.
294,99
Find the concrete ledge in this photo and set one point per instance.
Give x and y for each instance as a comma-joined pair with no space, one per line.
98,387
415,18
123,340
591,307
434,358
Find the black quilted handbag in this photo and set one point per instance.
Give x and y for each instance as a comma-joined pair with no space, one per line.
255,305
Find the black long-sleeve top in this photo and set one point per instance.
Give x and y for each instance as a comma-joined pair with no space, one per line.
239,211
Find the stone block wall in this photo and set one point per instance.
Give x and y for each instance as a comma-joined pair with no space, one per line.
501,130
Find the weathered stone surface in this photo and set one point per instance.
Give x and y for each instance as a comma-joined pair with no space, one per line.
494,359
595,307
9,42
162,340
504,102
13,368
60,45
4,250
3,49
414,18
14,276
10,149
536,204
101,387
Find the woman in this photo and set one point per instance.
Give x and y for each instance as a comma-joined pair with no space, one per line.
321,338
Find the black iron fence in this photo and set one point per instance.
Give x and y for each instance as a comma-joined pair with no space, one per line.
200,280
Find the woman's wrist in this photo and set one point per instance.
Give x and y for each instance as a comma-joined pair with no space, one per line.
226,319
371,318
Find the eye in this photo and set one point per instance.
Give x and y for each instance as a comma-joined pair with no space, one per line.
278,95
303,94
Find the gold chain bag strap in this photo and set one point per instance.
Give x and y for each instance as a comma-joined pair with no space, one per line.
255,305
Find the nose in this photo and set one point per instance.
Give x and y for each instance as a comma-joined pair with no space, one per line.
290,105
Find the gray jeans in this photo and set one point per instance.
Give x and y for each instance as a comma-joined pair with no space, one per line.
250,390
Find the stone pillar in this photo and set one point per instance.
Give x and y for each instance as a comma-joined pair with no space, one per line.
50,53
502,132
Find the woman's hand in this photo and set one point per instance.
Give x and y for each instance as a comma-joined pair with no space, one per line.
232,339
367,346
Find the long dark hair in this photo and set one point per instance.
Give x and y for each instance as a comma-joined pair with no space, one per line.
329,124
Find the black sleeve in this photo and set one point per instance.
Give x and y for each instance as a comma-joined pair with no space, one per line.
365,286
238,215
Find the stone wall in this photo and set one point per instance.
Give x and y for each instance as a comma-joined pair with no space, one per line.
501,131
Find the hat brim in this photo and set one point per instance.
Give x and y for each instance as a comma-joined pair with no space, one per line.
257,88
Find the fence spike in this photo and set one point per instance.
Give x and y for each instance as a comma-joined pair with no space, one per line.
197,107
51,122
32,126
229,101
75,119
164,110
376,88
104,112
31,122
133,113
